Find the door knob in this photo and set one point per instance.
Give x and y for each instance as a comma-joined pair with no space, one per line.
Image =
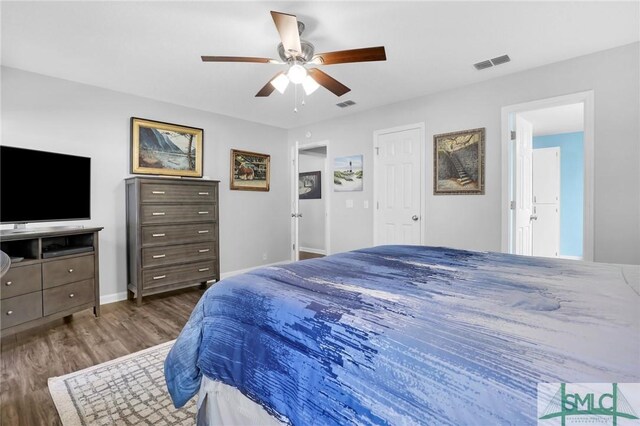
293,215
299,214
533,217
414,217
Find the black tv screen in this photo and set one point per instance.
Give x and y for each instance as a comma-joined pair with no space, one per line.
39,186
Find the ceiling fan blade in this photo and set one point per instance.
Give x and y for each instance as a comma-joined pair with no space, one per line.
366,54
287,26
328,82
239,59
268,88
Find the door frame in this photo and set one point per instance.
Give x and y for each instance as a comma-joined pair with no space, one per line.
376,215
327,183
587,99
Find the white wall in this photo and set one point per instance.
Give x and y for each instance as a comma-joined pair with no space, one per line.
312,222
474,221
56,115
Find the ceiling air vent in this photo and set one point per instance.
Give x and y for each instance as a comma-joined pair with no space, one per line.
482,65
500,60
345,104
491,62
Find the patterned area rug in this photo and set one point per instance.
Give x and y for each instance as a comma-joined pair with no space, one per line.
125,391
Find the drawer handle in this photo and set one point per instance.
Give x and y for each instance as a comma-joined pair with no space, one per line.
8,283
203,212
203,193
203,250
9,312
70,270
158,235
206,231
158,192
159,256
203,269
157,214
159,277
71,296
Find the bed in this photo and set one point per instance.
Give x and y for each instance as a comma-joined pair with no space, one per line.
404,335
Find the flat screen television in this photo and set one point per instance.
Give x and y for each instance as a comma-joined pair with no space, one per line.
39,186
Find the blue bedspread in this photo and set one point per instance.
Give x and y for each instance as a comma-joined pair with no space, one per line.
410,335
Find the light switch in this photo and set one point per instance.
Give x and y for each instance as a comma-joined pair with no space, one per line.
366,204
349,204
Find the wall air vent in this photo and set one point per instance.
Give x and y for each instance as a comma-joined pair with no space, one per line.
482,65
345,104
500,60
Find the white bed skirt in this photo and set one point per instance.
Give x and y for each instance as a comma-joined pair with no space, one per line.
220,404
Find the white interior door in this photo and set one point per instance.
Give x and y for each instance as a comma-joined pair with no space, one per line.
523,148
398,187
546,202
295,210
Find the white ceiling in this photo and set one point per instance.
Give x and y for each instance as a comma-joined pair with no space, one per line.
556,120
153,49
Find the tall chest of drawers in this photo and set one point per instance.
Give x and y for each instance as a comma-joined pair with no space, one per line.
172,234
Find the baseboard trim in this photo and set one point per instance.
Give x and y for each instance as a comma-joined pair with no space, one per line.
314,251
120,296
570,257
242,271
112,298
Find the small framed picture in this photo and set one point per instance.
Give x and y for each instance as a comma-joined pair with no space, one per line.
458,162
309,186
250,171
347,173
159,148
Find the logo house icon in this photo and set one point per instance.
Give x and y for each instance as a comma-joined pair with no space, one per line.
593,403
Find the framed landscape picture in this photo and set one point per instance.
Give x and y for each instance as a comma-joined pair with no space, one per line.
309,186
458,162
347,173
159,148
250,171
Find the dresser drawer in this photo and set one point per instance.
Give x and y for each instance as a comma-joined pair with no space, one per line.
66,271
179,192
166,213
175,234
21,280
193,252
19,309
195,272
67,296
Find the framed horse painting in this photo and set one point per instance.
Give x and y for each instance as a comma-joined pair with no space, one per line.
249,171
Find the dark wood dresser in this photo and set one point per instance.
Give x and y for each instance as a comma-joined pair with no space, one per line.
57,276
172,234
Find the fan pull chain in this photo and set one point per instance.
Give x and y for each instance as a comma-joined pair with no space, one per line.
295,98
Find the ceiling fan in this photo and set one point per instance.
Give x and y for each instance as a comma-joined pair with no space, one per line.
298,54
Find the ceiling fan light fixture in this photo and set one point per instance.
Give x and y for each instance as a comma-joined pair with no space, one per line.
309,85
280,83
297,73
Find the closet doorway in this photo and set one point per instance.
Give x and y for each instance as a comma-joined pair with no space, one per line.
311,189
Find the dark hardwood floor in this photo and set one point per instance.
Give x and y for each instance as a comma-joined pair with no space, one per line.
304,255
28,359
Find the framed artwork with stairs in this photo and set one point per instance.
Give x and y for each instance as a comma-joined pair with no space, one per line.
458,162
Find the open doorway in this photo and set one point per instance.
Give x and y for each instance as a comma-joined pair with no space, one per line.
311,203
549,178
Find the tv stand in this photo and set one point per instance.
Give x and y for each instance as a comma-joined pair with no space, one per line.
21,228
57,277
